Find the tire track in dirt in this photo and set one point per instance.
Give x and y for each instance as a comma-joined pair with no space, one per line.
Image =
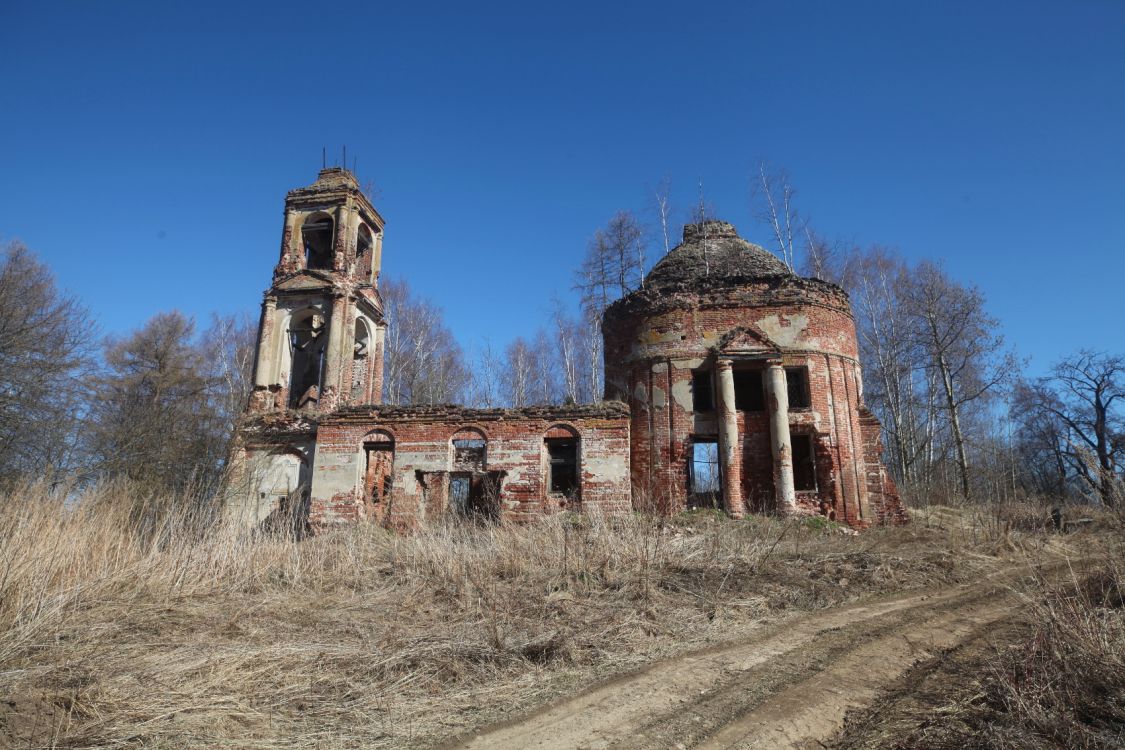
815,707
785,687
812,685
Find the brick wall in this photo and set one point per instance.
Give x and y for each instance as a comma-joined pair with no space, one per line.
652,348
423,461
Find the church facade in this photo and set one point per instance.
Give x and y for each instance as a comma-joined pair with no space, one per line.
730,383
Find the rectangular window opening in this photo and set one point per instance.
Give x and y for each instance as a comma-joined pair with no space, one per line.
469,454
749,390
804,463
459,487
704,475
797,385
562,457
702,390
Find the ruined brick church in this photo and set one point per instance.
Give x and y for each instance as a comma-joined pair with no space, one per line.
731,383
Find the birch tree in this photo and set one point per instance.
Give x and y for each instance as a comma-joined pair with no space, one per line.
423,364
962,346
614,265
664,211
773,202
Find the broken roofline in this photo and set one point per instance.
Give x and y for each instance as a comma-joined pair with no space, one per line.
447,412
332,182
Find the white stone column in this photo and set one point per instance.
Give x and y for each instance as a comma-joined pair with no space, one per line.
352,240
342,239
263,368
287,260
375,368
330,388
777,398
377,255
729,443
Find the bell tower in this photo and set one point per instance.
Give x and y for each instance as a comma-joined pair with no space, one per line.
320,340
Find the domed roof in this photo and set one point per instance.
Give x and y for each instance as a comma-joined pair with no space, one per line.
713,253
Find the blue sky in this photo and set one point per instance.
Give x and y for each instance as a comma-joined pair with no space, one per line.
146,148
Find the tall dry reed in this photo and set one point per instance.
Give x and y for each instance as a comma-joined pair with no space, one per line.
132,620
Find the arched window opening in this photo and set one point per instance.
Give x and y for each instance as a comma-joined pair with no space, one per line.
473,492
469,446
364,251
316,234
360,360
307,344
562,462
378,476
363,242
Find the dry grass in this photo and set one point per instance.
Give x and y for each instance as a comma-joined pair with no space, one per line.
124,625
1051,676
1057,681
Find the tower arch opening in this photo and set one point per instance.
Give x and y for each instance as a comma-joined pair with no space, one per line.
308,342
316,238
361,359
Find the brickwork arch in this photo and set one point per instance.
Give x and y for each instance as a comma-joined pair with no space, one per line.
379,435
562,430
318,235
468,449
470,432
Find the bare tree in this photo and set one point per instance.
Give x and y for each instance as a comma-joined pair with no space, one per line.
528,375
888,352
45,353
703,209
518,373
962,346
614,263
228,349
484,387
569,350
614,266
773,196
423,364
154,418
829,260
1082,398
1042,440
663,210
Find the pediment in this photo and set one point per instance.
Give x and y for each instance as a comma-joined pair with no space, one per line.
302,280
747,340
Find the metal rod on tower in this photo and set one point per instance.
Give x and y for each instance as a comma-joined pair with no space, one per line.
344,163
323,157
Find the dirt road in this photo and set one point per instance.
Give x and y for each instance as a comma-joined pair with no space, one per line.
787,687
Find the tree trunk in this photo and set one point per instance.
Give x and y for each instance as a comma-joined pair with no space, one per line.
1105,465
955,423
